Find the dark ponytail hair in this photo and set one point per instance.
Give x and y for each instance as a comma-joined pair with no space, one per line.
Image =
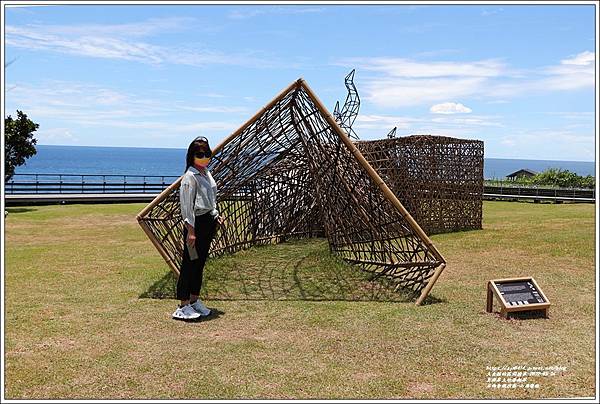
198,144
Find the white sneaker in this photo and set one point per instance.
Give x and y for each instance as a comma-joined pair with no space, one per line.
185,313
200,308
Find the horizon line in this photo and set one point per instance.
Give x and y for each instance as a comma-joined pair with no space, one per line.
183,148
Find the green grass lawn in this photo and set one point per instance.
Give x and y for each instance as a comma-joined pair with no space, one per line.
88,302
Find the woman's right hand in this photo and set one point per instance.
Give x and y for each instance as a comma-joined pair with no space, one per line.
191,235
191,238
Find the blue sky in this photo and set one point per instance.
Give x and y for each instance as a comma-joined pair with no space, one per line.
519,77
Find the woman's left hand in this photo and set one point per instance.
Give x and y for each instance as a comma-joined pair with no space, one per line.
220,220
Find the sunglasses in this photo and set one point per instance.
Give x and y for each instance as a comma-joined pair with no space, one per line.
202,155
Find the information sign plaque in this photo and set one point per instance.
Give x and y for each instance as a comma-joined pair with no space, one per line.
516,294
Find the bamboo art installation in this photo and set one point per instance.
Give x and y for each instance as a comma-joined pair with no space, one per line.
346,117
438,179
292,172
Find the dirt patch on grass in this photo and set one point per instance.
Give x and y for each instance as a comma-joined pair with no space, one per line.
417,389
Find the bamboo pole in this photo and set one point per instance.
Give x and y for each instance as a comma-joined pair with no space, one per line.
159,247
430,284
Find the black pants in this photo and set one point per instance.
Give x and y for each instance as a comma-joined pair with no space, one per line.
190,272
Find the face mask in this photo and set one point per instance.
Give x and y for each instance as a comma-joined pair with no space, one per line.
203,162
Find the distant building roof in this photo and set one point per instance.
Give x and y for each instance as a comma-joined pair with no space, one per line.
522,172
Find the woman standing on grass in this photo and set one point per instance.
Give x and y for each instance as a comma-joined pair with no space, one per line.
198,198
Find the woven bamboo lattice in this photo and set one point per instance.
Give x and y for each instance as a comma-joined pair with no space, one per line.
438,179
292,172
347,115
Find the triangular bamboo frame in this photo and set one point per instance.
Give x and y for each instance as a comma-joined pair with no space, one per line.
348,190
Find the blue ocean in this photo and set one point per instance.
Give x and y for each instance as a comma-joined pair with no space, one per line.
171,162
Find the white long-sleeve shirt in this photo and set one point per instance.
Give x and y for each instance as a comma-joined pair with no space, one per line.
197,195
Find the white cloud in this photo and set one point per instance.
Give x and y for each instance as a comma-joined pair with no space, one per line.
124,42
212,95
225,109
582,59
248,12
68,100
58,136
567,77
450,108
508,142
102,41
399,67
373,126
570,75
552,143
62,108
587,116
366,122
384,119
403,82
388,92
486,13
167,126
399,82
150,27
470,121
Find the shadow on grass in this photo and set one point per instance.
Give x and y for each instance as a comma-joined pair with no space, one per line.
526,315
430,299
20,210
164,288
214,314
287,272
452,231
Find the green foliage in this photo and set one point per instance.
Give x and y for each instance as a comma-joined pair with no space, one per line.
552,177
563,179
19,142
